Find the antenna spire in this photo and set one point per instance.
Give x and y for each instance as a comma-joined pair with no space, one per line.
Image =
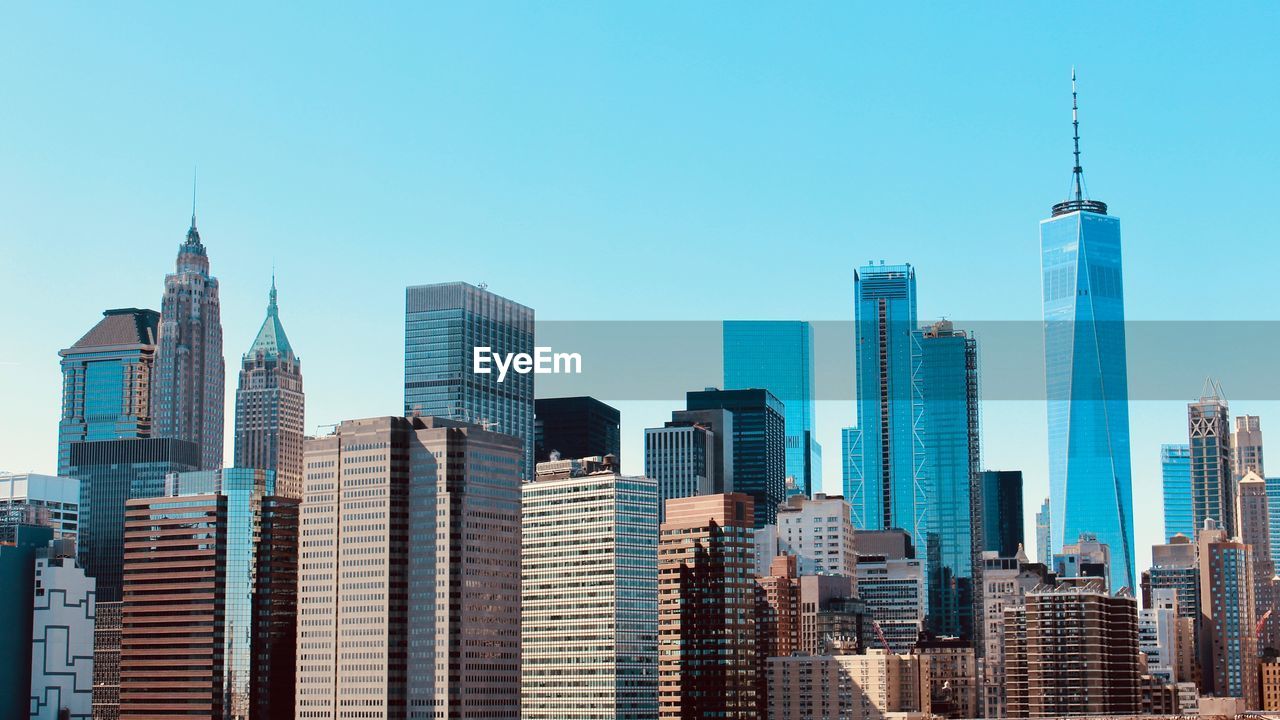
1077,172
1077,200
193,196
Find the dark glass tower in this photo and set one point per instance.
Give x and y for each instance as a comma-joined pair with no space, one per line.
1002,530
575,427
759,444
106,381
189,387
1090,480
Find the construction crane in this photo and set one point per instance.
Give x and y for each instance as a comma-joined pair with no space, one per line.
880,634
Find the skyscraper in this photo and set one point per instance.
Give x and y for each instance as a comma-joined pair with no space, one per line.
1006,581
270,406
944,390
575,427
1253,528
818,532
707,662
188,390
1174,567
1044,534
1002,512
590,597
682,458
878,454
777,355
1212,483
1273,501
423,515
106,381
1227,642
444,325
1175,471
1090,482
891,581
759,444
1246,445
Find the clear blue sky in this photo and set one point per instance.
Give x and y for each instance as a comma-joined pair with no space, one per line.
622,161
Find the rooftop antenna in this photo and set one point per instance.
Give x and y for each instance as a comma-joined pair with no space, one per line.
1077,172
193,195
1076,195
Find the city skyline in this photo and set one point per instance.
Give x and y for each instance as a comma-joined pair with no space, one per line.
239,224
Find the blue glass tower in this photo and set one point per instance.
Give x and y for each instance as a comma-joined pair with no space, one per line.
1090,483
1273,519
879,478
1175,471
778,356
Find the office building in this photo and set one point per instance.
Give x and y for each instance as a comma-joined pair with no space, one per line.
829,611
1246,446
422,515
689,458
1227,642
23,543
1175,472
1273,518
818,533
1161,640
590,596
209,610
878,454
1090,480
1002,531
891,584
106,660
106,381
944,376
777,619
445,325
188,388
1174,566
270,405
1253,519
1006,582
707,661
56,499
777,355
575,427
1072,650
845,686
62,623
1086,558
759,444
1212,482
1044,535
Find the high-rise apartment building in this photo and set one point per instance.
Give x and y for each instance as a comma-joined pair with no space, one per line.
1090,479
777,355
1160,639
1246,446
270,406
445,326
1253,518
1006,582
878,454
1227,642
56,499
891,583
63,611
1002,530
944,390
759,444
410,535
1212,481
845,686
1174,566
209,611
590,597
106,381
576,427
948,676
1085,558
188,385
818,533
777,618
707,662
1072,650
1175,472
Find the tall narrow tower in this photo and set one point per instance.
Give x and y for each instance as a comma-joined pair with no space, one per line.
189,385
270,405
1090,482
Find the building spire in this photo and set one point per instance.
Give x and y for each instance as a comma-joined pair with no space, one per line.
272,309
193,195
1077,197
1077,172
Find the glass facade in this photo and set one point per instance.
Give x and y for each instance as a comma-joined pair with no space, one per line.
1213,495
879,478
1090,480
1273,519
778,356
1175,472
759,456
1002,530
444,324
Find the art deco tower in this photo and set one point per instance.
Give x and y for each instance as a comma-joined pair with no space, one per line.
270,405
189,387
1090,481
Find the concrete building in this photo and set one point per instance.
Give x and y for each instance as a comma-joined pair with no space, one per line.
422,516
1174,565
589,598
707,662
1246,446
1227,642
1253,527
1006,582
1159,638
270,405
107,625
1072,650
829,611
875,686
891,583
949,677
818,532
62,640
1086,558
1269,684
55,498
777,620
686,461
188,386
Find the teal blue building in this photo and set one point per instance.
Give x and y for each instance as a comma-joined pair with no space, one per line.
777,355
1175,473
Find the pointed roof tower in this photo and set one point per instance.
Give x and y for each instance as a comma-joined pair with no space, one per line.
271,340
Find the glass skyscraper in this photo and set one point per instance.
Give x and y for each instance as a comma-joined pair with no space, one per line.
444,323
1090,480
778,356
1175,472
106,381
1212,486
879,474
1002,531
759,459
